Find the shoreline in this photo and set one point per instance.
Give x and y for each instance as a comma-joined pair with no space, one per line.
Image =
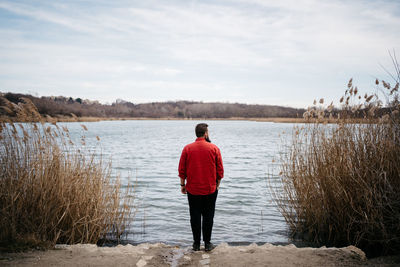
271,119
160,254
96,119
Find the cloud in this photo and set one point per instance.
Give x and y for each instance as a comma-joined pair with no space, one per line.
244,50
39,13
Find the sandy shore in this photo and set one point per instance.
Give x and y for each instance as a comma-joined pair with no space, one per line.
165,255
96,119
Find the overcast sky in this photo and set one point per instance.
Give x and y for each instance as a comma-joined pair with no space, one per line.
248,51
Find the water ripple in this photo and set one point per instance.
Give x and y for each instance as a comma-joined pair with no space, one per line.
148,152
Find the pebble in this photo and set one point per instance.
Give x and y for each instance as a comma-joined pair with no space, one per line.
205,262
205,256
141,263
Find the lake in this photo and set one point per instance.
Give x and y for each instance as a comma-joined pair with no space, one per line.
148,151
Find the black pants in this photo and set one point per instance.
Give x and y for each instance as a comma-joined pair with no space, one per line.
200,205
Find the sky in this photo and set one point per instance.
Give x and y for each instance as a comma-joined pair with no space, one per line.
287,52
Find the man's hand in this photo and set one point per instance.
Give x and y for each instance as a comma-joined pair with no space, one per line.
218,182
183,190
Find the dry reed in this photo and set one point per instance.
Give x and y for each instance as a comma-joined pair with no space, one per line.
53,191
341,183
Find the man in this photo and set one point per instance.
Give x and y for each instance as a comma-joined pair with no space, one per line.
201,167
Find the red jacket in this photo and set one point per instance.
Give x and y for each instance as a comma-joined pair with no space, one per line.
201,165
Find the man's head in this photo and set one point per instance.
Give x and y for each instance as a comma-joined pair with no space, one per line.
201,130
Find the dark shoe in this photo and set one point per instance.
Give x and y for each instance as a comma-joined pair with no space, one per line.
209,246
196,247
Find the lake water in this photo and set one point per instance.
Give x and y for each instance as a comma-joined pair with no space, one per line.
148,151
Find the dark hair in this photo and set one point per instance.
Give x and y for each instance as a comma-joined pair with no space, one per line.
201,129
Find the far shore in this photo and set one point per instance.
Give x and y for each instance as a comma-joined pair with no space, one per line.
269,119
96,119
166,255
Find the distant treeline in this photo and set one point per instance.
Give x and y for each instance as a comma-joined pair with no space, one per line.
68,106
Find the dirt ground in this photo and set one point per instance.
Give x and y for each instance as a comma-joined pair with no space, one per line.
165,255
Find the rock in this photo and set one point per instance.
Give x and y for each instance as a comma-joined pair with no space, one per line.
141,263
357,253
205,262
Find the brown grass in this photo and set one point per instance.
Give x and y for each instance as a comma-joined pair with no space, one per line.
53,191
310,120
342,182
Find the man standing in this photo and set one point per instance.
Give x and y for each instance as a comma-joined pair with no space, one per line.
201,166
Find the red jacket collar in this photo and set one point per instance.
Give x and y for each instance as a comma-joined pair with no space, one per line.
200,139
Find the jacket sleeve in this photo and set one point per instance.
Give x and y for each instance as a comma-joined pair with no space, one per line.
220,166
182,165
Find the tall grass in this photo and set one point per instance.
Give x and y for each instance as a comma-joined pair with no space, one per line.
341,183
52,190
